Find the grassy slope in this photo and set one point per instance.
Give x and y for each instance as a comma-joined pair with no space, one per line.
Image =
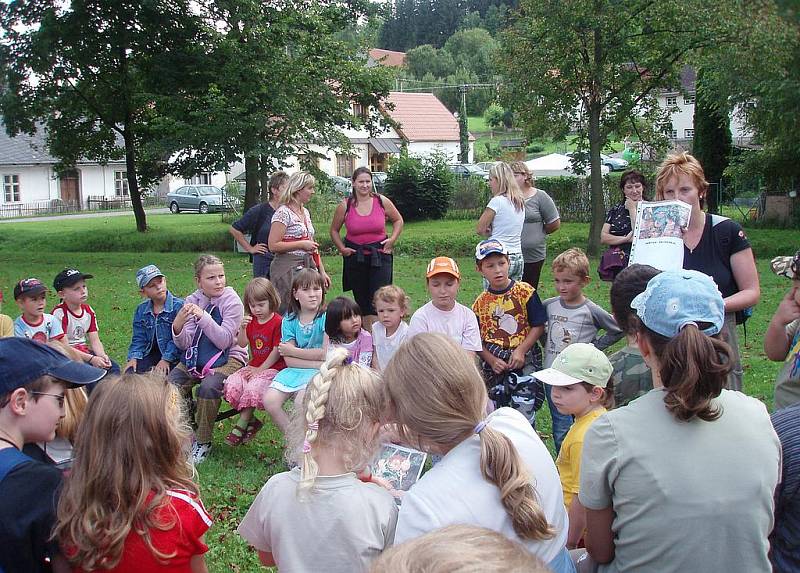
231,478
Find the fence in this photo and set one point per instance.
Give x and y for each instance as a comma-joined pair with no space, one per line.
49,207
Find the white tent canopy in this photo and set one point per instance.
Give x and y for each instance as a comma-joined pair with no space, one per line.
555,165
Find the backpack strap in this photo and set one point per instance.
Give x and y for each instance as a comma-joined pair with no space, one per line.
10,458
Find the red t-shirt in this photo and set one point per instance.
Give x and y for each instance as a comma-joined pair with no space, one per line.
263,338
184,539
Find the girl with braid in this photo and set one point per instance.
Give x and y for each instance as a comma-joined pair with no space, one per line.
495,471
320,516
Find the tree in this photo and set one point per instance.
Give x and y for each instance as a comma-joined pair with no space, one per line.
595,65
712,136
473,50
88,72
426,59
494,116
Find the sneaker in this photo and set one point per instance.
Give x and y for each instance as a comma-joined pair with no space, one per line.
200,452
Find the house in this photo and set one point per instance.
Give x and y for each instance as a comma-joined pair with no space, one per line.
681,101
424,126
386,58
27,174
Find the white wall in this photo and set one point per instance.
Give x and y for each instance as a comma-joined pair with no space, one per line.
36,183
683,119
451,148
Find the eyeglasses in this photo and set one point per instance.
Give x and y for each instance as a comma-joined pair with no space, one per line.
59,397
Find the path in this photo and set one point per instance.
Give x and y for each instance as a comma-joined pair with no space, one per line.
158,211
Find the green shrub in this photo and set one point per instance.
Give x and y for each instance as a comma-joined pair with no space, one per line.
534,148
420,188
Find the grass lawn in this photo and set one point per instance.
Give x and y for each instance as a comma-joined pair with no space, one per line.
112,251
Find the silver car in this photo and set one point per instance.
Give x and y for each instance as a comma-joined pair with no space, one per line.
200,198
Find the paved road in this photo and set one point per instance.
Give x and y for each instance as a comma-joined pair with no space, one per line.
83,216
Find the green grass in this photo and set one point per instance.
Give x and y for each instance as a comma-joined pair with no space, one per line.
112,251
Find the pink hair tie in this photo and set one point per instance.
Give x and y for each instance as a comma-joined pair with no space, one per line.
306,447
480,426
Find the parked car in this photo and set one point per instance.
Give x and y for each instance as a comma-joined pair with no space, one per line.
613,163
341,185
200,198
485,165
379,180
465,170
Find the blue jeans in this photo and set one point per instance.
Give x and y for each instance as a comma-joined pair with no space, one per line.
561,422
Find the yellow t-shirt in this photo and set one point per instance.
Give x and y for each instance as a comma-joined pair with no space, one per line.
6,326
569,458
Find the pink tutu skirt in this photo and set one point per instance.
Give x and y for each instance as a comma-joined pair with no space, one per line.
241,393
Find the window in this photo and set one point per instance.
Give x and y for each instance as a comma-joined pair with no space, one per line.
673,134
204,178
672,100
121,183
688,100
688,133
360,111
11,188
345,165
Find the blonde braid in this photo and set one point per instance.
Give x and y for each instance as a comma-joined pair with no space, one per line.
317,400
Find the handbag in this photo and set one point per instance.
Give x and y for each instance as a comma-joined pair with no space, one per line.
612,262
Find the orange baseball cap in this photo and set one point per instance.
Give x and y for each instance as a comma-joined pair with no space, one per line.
443,265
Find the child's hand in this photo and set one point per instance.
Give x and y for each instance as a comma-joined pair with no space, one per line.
104,361
161,368
131,364
246,319
285,349
517,360
246,372
498,366
788,310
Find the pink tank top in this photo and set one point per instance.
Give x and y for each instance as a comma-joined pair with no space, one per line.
363,230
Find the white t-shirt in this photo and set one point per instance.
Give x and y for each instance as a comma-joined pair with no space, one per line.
687,496
454,490
385,346
507,223
343,526
460,324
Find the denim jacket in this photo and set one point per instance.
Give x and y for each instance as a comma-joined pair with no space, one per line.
145,323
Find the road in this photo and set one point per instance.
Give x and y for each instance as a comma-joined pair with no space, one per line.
158,211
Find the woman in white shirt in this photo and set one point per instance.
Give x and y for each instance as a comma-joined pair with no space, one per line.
495,471
504,216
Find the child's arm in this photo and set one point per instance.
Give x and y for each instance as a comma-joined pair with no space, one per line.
537,318
93,338
241,339
604,321
777,339
577,522
498,365
266,558
198,564
273,357
223,336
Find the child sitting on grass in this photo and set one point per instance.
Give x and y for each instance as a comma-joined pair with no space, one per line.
511,319
443,314
343,327
579,378
631,376
320,516
572,317
261,330
389,331
34,323
782,339
152,347
78,319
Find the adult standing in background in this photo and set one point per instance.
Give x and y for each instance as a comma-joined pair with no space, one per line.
541,219
504,216
256,222
714,245
366,249
617,230
291,237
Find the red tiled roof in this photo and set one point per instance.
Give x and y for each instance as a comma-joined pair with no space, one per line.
422,117
388,58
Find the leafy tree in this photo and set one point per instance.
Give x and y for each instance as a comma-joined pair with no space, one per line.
712,136
473,50
90,71
598,64
494,115
426,59
420,188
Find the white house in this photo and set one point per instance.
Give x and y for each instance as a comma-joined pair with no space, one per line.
27,174
681,102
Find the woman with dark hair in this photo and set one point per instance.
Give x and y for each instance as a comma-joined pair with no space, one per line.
682,478
617,231
366,248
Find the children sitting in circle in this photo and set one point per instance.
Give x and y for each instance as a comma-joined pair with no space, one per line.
152,347
303,344
261,330
206,329
579,377
389,331
320,515
33,322
343,327
443,314
133,476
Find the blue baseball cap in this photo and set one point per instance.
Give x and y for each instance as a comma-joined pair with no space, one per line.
489,247
22,361
146,274
674,299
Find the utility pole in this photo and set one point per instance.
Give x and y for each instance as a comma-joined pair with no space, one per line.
463,133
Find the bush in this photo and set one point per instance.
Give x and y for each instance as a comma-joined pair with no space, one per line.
534,148
470,193
420,188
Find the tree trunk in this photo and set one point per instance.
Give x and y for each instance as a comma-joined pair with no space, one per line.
596,194
251,169
133,184
264,173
